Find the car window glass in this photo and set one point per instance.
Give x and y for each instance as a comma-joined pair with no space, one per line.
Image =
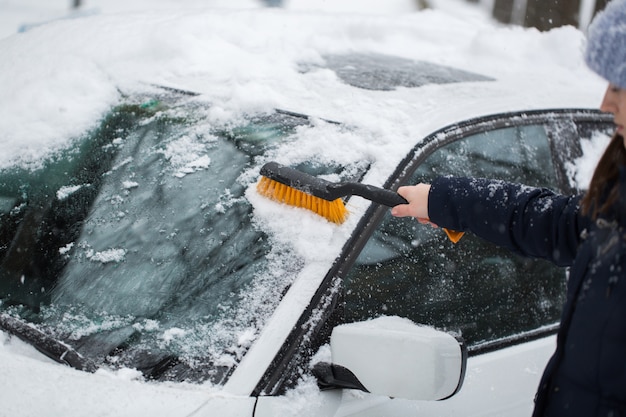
472,288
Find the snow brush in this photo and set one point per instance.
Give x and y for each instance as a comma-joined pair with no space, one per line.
298,189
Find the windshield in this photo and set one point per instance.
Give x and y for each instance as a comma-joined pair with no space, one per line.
137,246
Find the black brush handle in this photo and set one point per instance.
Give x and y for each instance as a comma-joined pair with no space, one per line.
375,194
299,180
387,198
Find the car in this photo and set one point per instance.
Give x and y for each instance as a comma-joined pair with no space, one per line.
141,272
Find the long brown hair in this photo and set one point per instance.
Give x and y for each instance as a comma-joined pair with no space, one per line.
604,187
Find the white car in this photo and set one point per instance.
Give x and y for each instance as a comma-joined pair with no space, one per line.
141,273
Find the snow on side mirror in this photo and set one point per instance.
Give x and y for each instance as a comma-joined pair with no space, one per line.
393,356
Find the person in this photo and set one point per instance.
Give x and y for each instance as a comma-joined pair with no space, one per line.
586,376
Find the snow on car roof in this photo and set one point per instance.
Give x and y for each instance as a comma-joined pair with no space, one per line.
245,61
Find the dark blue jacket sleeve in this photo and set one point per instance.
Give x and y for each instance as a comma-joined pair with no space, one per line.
530,221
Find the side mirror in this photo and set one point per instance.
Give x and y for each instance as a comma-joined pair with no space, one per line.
393,356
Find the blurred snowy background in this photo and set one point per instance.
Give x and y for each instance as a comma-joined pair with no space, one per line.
20,15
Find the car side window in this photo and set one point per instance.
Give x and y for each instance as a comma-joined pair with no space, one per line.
473,288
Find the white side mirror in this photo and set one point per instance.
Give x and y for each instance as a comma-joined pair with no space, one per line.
393,356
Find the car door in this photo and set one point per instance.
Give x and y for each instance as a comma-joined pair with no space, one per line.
480,291
504,306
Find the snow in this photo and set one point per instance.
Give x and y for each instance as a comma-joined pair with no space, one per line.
59,77
592,150
186,157
106,256
76,79
66,191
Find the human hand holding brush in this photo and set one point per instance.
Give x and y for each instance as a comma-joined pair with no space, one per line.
416,197
299,189
416,205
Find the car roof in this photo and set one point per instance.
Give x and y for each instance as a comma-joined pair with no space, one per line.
254,61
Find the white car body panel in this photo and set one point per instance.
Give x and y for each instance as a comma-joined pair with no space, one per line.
487,391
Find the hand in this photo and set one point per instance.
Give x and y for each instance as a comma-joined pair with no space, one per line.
417,196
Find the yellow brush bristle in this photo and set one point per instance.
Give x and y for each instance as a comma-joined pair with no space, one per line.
334,211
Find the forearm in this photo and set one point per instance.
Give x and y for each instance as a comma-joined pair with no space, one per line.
530,221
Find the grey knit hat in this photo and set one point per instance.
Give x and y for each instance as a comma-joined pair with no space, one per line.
606,43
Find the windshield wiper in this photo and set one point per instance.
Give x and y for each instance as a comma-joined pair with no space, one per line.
52,348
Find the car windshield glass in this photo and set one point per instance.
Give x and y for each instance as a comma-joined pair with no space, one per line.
137,248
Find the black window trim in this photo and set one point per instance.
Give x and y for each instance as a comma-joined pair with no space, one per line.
516,339
457,131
